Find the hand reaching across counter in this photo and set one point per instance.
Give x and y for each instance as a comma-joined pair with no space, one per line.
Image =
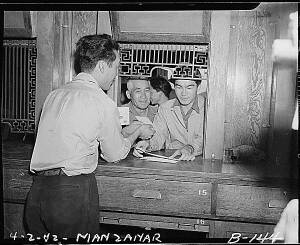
146,131
140,147
186,153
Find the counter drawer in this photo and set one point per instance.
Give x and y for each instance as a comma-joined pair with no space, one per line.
154,196
250,201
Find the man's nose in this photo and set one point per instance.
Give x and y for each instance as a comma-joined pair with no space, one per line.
143,94
183,93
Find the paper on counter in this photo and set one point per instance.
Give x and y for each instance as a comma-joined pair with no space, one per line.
124,115
144,120
159,159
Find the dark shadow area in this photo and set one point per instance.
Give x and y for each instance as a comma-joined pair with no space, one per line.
132,234
22,138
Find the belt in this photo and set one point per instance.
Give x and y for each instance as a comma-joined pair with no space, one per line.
51,172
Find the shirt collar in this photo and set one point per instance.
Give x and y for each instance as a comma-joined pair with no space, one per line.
195,105
85,77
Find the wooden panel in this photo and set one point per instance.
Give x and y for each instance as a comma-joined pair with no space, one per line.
103,23
17,24
249,230
62,48
251,201
104,26
13,219
154,196
83,23
249,80
161,22
45,59
199,34
219,37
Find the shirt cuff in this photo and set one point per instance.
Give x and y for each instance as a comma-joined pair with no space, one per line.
192,149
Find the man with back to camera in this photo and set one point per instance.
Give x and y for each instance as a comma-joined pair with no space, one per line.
160,90
178,123
75,119
138,91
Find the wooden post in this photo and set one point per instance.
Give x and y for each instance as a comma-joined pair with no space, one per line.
104,26
219,46
45,59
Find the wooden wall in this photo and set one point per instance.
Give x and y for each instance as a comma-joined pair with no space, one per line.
249,80
260,95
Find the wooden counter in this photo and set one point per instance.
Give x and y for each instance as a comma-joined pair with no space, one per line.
203,195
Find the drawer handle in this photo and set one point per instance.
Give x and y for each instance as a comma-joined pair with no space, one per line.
110,220
276,204
147,194
193,227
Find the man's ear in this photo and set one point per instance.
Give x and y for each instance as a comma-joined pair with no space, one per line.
101,65
161,93
128,94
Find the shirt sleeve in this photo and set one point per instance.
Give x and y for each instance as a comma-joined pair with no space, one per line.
113,145
161,132
287,227
197,141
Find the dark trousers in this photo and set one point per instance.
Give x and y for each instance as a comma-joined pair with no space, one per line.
63,206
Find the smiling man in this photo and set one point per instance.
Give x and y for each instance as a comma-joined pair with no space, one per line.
179,123
138,91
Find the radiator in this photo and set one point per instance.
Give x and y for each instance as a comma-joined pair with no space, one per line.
18,87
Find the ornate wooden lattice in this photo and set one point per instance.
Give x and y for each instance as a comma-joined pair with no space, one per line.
188,61
19,85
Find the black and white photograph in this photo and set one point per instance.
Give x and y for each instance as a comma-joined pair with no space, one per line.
149,123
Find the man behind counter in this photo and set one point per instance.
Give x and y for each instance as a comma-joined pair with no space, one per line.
178,123
75,119
138,91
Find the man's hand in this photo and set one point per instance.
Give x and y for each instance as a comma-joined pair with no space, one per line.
140,145
146,131
186,152
128,130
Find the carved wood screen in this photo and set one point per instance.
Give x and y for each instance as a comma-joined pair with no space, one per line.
187,60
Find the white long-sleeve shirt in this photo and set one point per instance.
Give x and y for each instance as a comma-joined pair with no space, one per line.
74,120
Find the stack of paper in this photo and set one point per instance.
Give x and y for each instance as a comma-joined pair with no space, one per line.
159,159
156,157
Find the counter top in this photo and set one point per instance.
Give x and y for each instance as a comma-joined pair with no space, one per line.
205,168
18,155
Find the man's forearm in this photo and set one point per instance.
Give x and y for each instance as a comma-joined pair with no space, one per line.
130,129
132,137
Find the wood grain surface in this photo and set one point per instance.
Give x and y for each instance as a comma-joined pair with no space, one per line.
249,80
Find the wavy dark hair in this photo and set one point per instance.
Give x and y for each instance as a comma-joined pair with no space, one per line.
161,84
92,48
173,80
